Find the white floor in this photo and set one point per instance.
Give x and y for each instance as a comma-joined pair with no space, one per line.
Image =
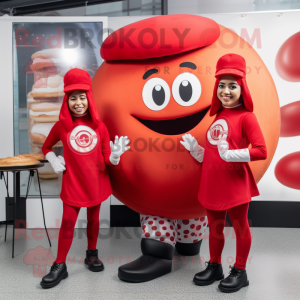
273,269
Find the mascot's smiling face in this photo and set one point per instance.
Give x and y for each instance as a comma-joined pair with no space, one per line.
154,102
185,91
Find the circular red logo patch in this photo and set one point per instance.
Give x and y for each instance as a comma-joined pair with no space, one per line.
83,139
217,131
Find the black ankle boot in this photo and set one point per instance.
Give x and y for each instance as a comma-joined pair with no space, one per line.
156,261
57,273
235,281
93,262
188,249
212,273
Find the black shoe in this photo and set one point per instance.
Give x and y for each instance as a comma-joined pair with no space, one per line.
188,249
57,273
212,273
93,262
235,281
156,261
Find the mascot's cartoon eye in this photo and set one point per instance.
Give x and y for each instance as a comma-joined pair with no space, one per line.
186,89
156,94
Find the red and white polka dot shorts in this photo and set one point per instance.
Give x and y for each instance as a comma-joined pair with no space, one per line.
170,230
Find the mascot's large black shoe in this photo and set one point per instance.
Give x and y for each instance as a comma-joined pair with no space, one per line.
212,273
156,261
93,262
236,280
57,273
188,249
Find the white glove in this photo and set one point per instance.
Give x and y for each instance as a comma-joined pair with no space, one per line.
58,163
190,144
238,155
118,148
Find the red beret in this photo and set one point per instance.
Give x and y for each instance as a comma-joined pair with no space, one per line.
231,64
77,79
160,36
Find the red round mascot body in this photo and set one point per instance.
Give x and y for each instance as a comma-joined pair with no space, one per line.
155,85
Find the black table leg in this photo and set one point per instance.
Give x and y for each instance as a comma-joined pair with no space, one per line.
37,174
6,185
5,231
16,184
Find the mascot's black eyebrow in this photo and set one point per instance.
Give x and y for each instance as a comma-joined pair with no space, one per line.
149,73
188,65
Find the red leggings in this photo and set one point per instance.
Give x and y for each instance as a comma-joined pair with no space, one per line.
66,232
239,220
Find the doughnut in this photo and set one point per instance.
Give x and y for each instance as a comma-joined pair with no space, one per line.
48,87
40,131
45,112
46,61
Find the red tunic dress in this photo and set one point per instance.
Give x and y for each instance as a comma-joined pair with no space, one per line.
228,184
86,151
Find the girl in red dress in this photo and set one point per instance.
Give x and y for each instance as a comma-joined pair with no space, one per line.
227,183
87,151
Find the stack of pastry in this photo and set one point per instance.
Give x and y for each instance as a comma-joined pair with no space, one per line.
44,102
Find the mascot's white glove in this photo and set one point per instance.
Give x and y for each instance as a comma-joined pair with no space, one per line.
118,148
238,155
190,144
58,163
